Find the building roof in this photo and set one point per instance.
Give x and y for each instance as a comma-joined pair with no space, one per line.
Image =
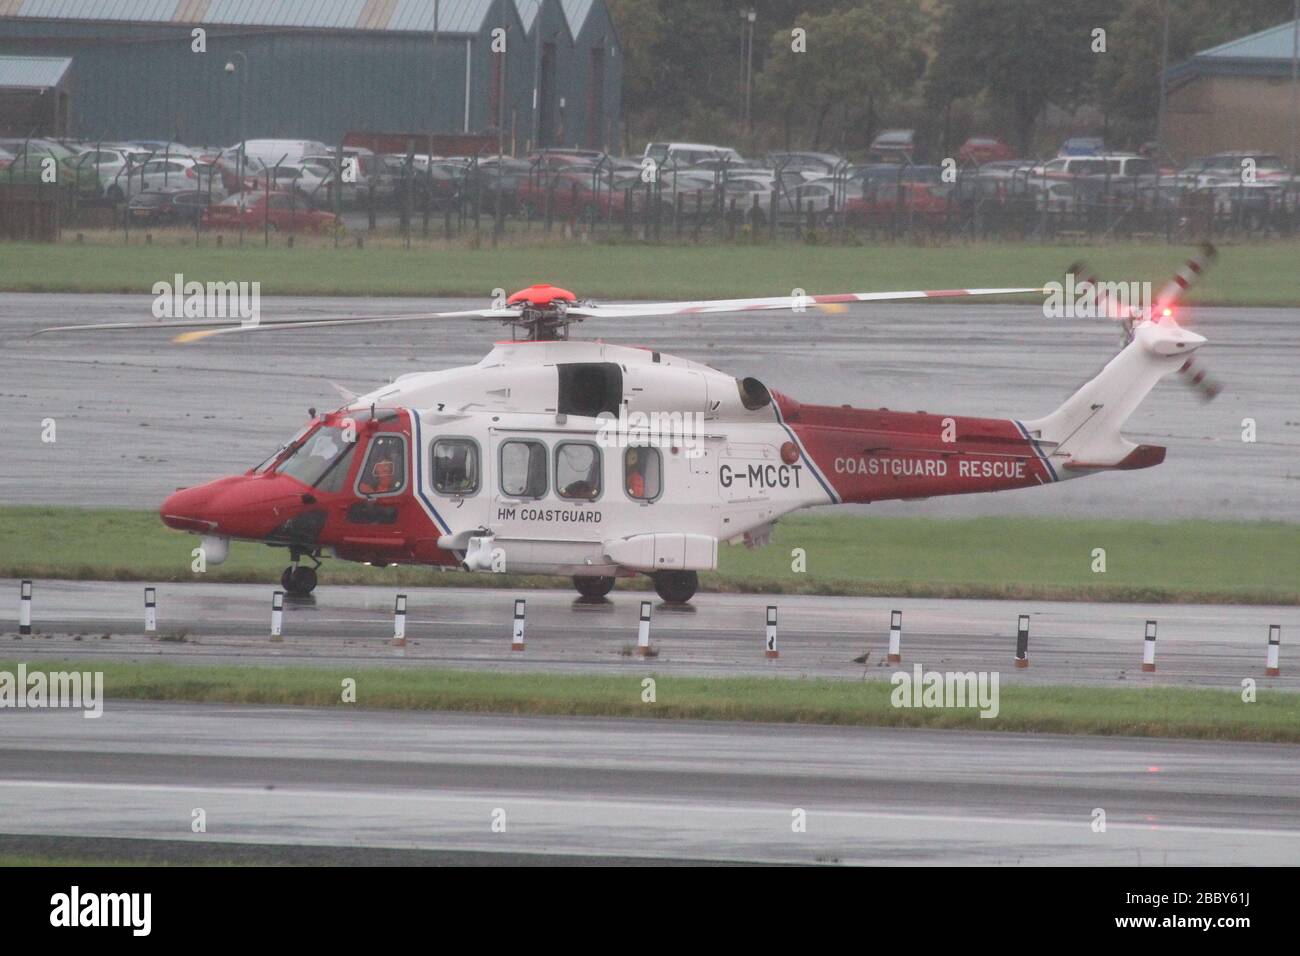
527,10
32,72
404,16
576,11
1266,53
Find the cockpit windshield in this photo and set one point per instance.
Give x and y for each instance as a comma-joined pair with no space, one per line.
322,460
265,466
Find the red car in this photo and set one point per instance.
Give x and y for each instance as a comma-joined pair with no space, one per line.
979,150
571,197
879,204
284,212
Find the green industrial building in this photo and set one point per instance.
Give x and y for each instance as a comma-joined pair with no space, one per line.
210,71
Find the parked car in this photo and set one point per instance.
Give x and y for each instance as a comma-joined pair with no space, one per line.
882,202
1083,146
112,165
183,171
893,146
1228,167
555,158
283,211
269,152
978,150
688,154
168,207
310,181
572,196
1066,167
822,164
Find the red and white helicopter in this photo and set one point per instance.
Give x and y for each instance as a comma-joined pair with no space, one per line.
602,461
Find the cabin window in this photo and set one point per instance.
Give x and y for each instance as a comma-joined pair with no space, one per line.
523,469
577,470
455,466
384,472
643,473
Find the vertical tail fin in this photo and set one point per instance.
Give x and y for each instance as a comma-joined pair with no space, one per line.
1084,433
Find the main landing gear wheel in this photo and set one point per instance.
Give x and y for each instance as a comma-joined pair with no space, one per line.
590,587
298,580
676,587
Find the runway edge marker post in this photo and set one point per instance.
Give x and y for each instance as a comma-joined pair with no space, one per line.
399,621
25,607
1022,641
771,653
150,610
643,631
895,637
517,639
1149,649
277,616
1274,646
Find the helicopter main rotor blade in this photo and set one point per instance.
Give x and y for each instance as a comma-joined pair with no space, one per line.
202,328
786,302
199,335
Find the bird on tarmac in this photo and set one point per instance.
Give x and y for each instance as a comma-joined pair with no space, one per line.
862,659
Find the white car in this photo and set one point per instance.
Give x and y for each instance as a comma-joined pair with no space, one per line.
688,154
110,164
173,172
309,179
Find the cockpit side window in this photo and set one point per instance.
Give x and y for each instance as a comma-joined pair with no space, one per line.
384,472
455,467
523,469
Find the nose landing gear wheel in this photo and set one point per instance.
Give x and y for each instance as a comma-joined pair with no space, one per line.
676,587
298,580
590,587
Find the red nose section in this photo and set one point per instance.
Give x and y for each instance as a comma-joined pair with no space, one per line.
239,506
541,296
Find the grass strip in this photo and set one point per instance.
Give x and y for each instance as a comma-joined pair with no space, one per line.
996,558
1256,274
1201,714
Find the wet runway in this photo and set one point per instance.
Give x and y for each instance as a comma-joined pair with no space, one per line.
137,417
719,634
678,790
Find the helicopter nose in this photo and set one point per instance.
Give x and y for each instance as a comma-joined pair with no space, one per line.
190,509
240,506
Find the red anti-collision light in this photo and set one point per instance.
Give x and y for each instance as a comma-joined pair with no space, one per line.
541,295
789,453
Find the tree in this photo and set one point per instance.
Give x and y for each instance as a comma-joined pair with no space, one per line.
1025,53
856,58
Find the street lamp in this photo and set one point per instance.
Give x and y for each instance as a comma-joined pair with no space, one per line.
747,18
239,163
243,84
